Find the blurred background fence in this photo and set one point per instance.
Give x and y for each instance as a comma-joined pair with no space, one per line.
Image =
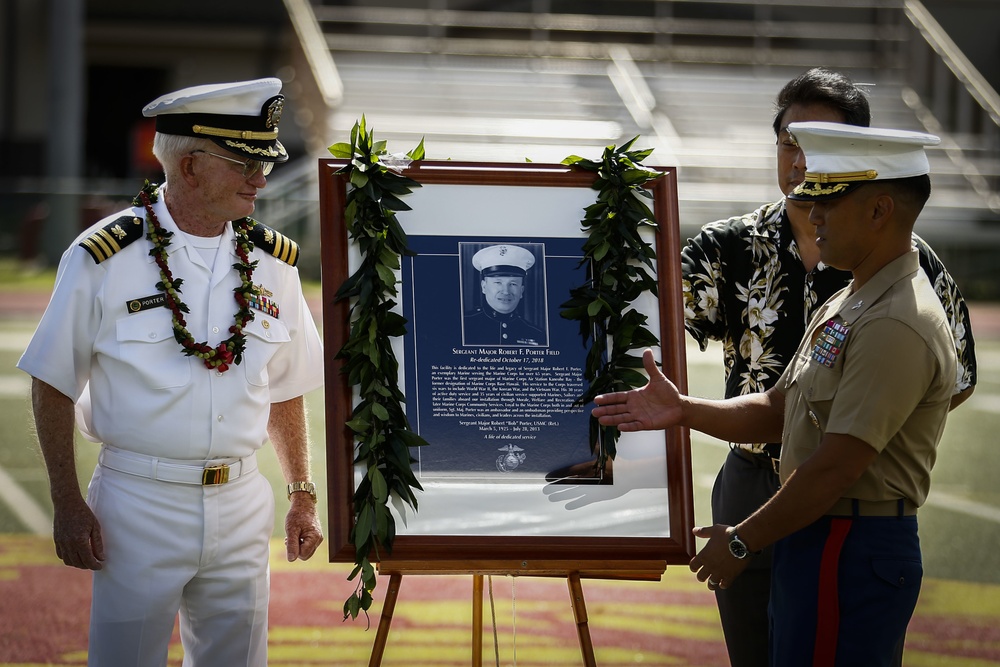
494,80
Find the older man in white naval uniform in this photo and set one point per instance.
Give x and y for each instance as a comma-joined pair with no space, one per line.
178,330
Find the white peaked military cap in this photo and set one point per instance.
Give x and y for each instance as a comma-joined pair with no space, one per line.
503,260
241,117
841,158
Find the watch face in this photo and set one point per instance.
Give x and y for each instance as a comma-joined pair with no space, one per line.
737,548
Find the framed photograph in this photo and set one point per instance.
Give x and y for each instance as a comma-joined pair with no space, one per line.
491,371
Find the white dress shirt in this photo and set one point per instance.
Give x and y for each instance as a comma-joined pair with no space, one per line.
134,387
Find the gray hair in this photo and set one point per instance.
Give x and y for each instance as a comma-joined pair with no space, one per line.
170,148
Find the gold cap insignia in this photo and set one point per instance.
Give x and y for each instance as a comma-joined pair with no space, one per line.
274,112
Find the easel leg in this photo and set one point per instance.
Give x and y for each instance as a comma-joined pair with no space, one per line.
477,620
382,635
580,614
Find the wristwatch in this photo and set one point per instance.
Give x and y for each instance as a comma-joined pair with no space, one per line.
307,487
738,547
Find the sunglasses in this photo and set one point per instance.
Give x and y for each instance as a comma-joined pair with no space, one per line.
250,167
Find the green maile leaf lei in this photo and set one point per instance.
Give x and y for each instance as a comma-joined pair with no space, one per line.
615,251
618,258
229,351
381,430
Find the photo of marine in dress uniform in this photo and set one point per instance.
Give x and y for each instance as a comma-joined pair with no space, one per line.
503,273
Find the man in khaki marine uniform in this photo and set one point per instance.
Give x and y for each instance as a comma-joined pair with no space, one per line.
859,412
178,331
753,282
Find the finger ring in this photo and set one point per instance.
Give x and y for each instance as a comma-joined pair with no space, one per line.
713,584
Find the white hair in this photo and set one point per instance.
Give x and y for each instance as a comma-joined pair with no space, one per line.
170,148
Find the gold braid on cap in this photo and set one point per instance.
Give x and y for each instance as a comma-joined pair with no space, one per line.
253,150
821,192
845,177
235,134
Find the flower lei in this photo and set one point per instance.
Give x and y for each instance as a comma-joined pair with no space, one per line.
229,351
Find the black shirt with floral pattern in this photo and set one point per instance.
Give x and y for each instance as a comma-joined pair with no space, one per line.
745,285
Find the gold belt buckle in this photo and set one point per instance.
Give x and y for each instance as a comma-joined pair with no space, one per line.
215,475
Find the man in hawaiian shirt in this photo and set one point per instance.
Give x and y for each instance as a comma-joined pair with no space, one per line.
753,282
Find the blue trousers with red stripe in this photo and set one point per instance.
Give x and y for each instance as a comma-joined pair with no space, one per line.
843,590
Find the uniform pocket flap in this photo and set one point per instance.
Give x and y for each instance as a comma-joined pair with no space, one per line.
149,327
267,329
897,573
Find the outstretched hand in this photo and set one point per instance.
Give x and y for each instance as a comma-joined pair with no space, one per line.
655,406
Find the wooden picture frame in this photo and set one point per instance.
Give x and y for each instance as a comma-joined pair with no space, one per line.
467,200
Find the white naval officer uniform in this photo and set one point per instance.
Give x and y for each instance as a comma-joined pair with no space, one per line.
175,545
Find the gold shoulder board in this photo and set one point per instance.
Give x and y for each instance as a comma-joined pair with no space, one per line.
274,242
112,237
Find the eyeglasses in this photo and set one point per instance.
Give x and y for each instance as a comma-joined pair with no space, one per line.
250,167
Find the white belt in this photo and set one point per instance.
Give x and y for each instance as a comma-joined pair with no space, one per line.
202,473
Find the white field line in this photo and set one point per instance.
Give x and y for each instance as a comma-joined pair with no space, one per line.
951,502
24,506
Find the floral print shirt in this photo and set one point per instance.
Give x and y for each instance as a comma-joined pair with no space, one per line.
745,285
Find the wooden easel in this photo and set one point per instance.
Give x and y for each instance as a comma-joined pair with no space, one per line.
573,571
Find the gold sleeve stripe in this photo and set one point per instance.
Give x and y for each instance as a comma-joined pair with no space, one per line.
112,238
293,252
101,245
279,244
94,249
285,249
109,239
274,243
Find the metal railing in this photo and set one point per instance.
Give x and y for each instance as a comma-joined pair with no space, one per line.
69,205
854,33
290,202
952,99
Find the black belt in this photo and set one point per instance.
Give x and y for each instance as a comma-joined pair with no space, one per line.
769,458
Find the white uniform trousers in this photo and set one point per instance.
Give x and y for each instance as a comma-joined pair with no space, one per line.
170,547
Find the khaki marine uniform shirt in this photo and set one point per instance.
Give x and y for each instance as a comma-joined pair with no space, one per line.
879,366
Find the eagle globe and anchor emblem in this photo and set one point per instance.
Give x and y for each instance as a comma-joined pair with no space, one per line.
512,459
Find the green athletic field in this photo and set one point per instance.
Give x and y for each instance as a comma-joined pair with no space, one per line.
673,622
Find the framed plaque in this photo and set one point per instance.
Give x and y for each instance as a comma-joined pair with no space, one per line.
490,371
